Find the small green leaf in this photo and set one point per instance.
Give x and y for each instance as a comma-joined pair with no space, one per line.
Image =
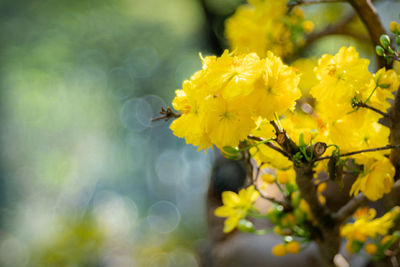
230,150
384,85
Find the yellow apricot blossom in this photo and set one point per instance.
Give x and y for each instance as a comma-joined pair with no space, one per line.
227,122
263,25
278,89
221,103
367,227
377,177
341,77
235,206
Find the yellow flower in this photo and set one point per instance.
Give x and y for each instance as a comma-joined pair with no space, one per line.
220,103
235,206
277,91
233,75
227,122
264,25
366,226
377,178
306,66
191,123
387,82
341,77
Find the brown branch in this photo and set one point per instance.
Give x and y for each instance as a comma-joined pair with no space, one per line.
285,205
395,133
360,151
167,114
368,15
347,210
269,144
363,105
287,144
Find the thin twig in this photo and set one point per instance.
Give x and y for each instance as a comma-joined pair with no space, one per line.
360,151
269,144
167,114
363,105
347,210
262,194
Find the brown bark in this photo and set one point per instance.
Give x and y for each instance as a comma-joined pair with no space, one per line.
368,15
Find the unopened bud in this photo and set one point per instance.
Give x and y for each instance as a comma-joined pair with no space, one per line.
385,40
379,50
246,226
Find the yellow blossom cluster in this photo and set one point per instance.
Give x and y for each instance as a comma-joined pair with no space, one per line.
367,226
236,206
265,25
343,82
222,103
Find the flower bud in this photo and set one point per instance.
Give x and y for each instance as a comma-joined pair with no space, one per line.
379,50
293,247
371,249
246,226
385,40
279,250
393,26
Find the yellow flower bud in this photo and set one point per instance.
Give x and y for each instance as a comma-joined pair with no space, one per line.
371,249
308,26
279,250
293,247
393,26
268,178
386,239
282,177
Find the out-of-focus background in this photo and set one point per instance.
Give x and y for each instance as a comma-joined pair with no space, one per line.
85,178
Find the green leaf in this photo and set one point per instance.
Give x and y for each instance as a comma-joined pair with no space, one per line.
230,150
384,85
301,140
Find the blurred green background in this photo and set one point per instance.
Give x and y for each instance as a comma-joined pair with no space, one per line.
85,178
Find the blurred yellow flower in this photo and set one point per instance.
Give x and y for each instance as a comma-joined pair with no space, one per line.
377,177
366,226
235,206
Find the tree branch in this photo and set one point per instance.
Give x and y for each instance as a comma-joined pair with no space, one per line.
363,105
347,210
395,133
167,114
269,144
368,15
360,151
